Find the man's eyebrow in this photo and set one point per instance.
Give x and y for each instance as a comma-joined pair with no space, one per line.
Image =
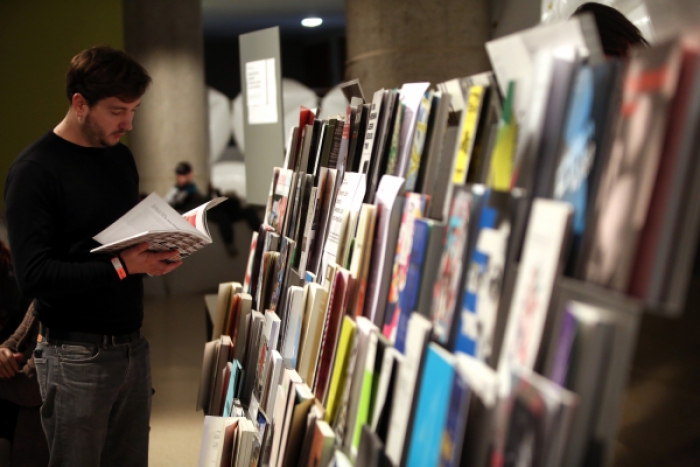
122,107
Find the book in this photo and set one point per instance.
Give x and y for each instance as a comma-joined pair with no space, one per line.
545,244
625,191
322,445
468,127
398,436
312,331
483,281
286,394
389,208
370,452
232,388
408,295
251,358
410,97
418,141
433,254
299,406
362,381
414,208
378,165
316,413
446,289
338,377
457,412
337,303
241,306
217,437
155,222
431,409
227,290
280,198
205,379
274,378
249,265
362,250
293,324
223,352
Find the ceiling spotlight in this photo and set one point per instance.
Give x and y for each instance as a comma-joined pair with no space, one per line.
311,22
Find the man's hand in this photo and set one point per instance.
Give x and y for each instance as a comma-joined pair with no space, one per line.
9,363
140,261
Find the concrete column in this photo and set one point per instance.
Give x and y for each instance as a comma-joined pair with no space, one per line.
166,37
391,42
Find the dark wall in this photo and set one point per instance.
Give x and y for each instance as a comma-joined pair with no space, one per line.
314,58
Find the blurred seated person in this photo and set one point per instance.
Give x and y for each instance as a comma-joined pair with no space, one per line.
185,196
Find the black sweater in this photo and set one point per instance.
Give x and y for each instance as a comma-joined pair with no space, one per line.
58,196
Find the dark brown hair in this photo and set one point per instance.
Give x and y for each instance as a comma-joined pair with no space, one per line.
101,71
617,33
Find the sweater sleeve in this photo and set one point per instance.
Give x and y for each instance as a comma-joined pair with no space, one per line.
32,199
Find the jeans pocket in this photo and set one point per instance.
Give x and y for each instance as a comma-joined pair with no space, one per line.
41,374
77,353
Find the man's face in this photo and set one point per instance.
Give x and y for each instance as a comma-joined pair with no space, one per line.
183,179
106,122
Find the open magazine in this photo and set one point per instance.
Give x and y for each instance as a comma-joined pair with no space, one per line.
154,221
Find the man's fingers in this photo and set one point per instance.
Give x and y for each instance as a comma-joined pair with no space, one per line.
136,249
170,266
162,255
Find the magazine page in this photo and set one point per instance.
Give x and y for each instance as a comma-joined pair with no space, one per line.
151,214
197,217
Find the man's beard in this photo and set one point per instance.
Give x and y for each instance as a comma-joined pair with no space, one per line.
94,135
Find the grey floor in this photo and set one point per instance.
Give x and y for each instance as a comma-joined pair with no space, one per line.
175,327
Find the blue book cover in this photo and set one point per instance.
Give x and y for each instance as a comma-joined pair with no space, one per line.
484,276
456,423
232,391
431,411
408,297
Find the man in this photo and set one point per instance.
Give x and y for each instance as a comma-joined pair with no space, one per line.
92,363
184,195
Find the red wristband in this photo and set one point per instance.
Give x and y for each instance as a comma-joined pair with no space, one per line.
121,271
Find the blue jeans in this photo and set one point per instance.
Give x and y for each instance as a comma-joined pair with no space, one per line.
97,403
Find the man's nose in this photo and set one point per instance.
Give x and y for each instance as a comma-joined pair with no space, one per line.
126,124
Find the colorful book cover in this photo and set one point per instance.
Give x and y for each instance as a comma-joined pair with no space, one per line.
331,329
414,208
280,200
368,382
484,277
393,158
347,335
232,390
470,120
418,142
431,409
408,297
457,413
446,289
626,186
501,171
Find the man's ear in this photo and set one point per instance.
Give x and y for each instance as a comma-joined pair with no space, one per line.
79,104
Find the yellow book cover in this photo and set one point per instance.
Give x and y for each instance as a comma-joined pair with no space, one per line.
470,122
501,172
347,334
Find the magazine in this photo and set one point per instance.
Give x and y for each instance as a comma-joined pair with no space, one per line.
154,221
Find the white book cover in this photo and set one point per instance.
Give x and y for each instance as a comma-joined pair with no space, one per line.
419,329
384,246
285,392
273,382
294,319
214,439
154,221
544,244
349,199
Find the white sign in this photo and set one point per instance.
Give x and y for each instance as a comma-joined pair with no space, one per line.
261,92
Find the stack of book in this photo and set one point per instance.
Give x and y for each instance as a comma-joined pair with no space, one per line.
453,274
